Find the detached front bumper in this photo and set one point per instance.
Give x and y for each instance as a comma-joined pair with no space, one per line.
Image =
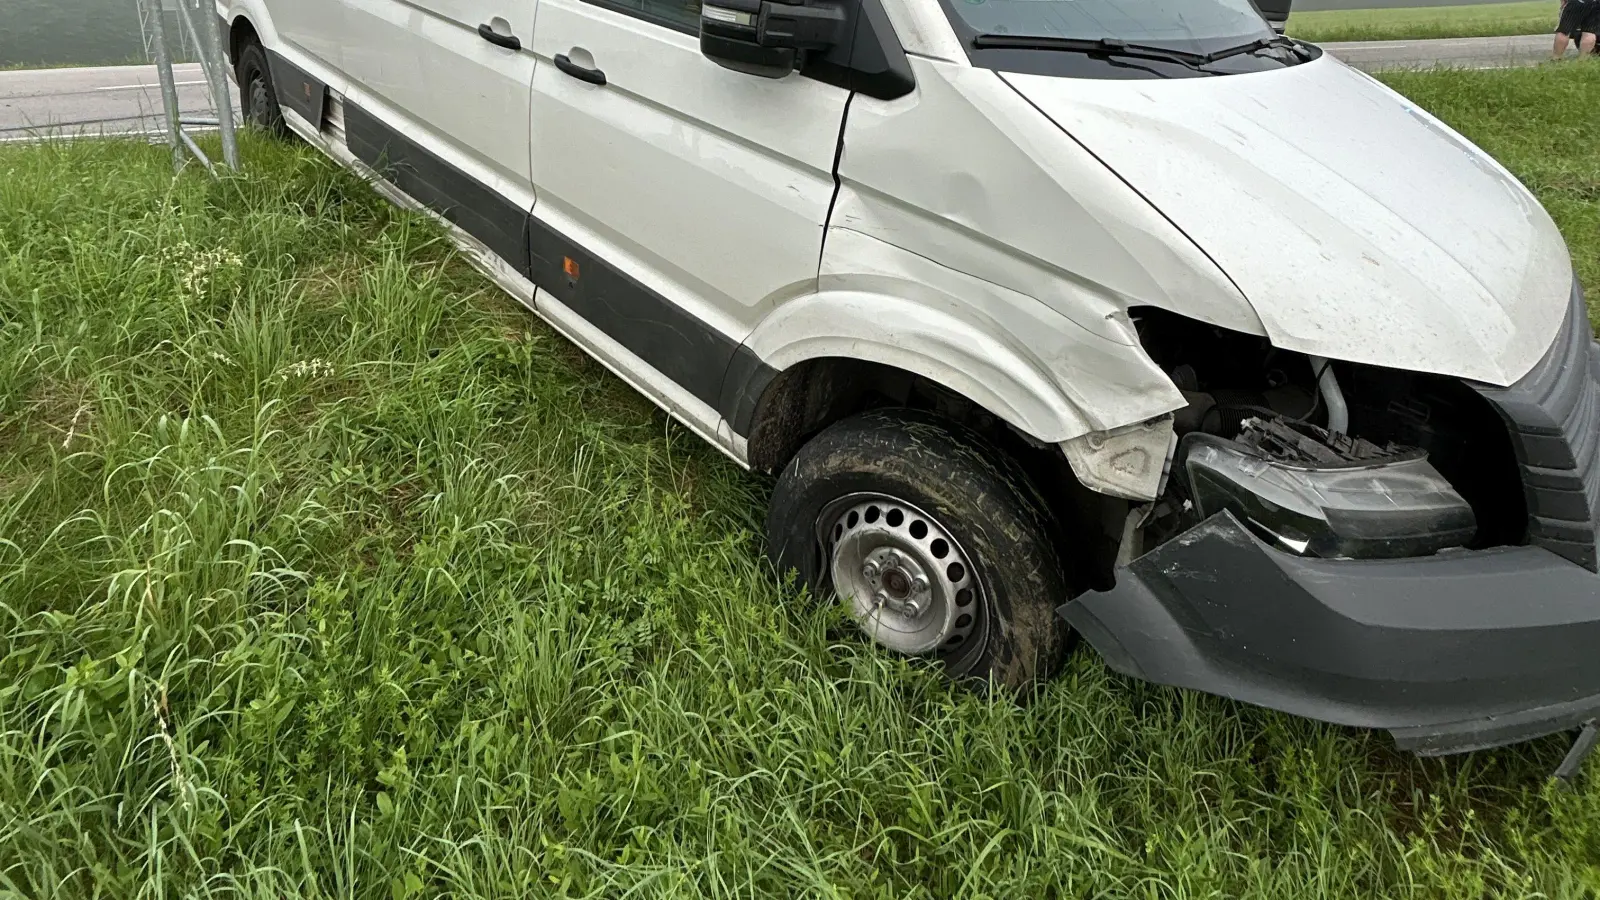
1453,652
1450,653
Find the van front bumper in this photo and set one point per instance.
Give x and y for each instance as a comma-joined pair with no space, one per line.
1451,653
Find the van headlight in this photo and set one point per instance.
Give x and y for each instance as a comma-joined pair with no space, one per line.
1385,507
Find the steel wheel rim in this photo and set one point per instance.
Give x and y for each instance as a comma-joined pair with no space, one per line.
258,100
901,573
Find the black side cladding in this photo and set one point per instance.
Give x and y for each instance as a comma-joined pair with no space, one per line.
1554,417
298,90
679,344
475,208
747,380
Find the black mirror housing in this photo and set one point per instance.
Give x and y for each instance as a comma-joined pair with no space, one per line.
798,27
747,57
764,37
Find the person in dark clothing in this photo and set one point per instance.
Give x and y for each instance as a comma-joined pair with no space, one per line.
1580,20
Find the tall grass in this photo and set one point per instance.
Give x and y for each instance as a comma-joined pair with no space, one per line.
325,571
1425,22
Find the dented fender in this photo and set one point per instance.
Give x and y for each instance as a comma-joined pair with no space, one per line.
1030,366
966,171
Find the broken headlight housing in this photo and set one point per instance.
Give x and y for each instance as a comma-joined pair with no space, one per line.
1327,495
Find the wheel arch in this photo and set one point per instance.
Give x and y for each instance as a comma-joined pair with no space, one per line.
825,353
813,391
247,22
241,32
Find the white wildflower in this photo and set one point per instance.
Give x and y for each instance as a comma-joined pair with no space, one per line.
307,368
196,267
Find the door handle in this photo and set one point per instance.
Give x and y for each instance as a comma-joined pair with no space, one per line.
508,41
582,73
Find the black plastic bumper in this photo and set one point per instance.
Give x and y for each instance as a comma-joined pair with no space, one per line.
1450,653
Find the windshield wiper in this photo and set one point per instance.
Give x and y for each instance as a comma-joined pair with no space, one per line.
1116,47
1102,46
1266,43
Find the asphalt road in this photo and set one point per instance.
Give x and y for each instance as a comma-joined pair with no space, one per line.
94,101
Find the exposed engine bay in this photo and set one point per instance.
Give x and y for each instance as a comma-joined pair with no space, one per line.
1325,459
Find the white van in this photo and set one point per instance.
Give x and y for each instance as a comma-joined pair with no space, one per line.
1125,318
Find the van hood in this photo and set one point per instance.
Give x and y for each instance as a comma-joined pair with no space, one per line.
1358,226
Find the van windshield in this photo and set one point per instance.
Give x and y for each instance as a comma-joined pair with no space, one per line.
1190,25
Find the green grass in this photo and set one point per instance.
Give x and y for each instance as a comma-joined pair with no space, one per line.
1479,20
1535,121
325,571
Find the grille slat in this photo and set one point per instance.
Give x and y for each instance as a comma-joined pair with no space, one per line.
1554,417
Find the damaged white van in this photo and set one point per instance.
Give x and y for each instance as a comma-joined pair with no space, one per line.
1125,318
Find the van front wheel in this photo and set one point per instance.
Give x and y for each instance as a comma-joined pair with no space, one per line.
932,540
258,100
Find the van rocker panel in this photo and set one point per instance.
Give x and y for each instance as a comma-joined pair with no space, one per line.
465,202
676,343
1455,652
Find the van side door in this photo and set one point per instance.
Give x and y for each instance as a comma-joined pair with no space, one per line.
679,201
443,108
477,69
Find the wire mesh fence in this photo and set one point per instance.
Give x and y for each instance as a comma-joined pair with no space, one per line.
197,29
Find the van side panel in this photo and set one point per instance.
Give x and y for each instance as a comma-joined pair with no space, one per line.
639,329
314,27
479,97
710,186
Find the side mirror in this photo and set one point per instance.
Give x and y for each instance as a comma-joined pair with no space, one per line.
766,37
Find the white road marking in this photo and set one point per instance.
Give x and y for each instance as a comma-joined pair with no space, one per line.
130,87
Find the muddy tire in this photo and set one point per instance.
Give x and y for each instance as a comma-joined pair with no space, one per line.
933,540
258,98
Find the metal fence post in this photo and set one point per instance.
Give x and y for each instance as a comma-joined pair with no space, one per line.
151,14
209,43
